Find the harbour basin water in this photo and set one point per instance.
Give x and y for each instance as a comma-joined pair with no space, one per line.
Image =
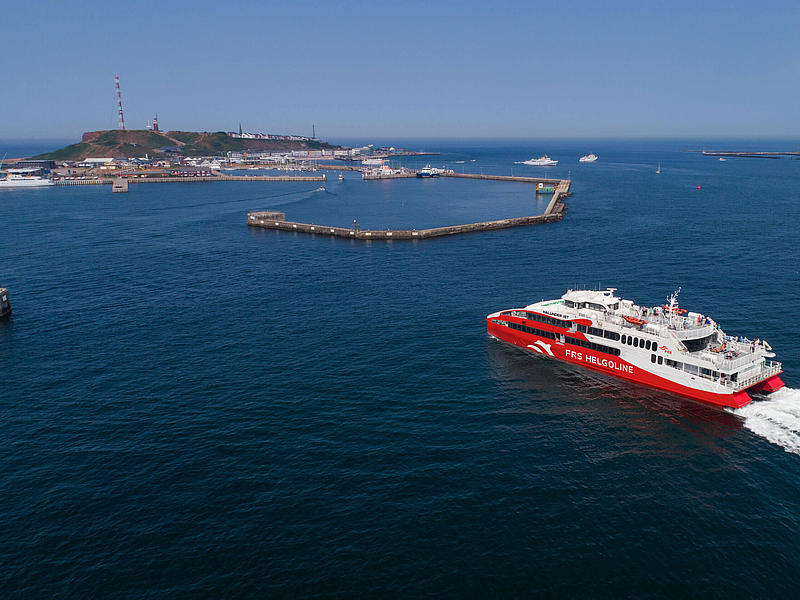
192,408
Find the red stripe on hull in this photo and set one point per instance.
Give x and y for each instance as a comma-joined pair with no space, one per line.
612,365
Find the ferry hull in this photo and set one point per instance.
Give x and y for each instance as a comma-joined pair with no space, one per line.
614,366
25,183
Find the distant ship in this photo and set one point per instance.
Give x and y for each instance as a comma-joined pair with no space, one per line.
542,161
17,178
658,170
341,177
663,347
588,158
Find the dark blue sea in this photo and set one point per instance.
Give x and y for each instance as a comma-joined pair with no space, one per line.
190,408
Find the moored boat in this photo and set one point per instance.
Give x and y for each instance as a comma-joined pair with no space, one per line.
428,171
17,178
663,347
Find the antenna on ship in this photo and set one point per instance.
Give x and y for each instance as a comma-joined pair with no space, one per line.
120,116
673,303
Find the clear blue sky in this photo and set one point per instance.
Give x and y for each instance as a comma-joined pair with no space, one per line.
405,68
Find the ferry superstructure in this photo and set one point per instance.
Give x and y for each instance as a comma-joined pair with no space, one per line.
663,347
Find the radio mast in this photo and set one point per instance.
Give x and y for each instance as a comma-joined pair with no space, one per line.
120,116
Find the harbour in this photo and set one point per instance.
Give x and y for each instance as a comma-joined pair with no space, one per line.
553,212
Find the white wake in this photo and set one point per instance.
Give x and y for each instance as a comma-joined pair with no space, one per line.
777,418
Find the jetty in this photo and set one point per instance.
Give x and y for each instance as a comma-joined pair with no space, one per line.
747,154
5,303
554,212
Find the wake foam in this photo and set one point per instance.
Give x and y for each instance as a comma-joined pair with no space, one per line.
776,419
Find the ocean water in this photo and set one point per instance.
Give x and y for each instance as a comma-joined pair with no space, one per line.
193,408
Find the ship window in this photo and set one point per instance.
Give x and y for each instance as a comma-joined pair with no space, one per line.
569,303
623,338
660,360
635,342
652,358
611,335
648,345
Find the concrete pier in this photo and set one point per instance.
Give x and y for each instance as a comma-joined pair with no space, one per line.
119,186
277,221
5,303
534,180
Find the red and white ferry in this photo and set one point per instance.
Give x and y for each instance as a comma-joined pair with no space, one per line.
664,347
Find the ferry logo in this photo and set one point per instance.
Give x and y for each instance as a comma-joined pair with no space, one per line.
546,347
666,351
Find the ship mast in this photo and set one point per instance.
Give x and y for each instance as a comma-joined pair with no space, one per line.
673,304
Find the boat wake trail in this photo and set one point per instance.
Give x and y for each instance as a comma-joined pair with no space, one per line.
776,419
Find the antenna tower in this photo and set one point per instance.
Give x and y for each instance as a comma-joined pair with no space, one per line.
120,116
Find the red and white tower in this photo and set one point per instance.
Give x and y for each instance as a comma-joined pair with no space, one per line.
120,116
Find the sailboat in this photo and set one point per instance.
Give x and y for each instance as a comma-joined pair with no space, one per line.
658,170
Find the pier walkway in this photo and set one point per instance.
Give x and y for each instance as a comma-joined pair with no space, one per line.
277,221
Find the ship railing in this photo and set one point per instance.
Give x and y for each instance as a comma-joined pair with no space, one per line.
694,332
768,370
729,364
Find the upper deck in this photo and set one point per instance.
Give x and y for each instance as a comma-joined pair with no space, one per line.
601,305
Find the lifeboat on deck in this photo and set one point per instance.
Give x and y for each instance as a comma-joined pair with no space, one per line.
676,310
634,321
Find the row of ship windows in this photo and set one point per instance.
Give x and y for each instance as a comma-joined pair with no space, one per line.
638,342
690,368
593,305
609,335
552,336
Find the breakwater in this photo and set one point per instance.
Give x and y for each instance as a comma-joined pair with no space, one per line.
277,221
534,180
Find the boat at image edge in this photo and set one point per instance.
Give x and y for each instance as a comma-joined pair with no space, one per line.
17,179
663,347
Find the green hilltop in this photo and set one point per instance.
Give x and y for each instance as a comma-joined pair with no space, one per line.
136,143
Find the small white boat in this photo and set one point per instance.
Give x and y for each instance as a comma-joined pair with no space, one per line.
588,158
341,177
722,159
542,161
320,189
658,170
